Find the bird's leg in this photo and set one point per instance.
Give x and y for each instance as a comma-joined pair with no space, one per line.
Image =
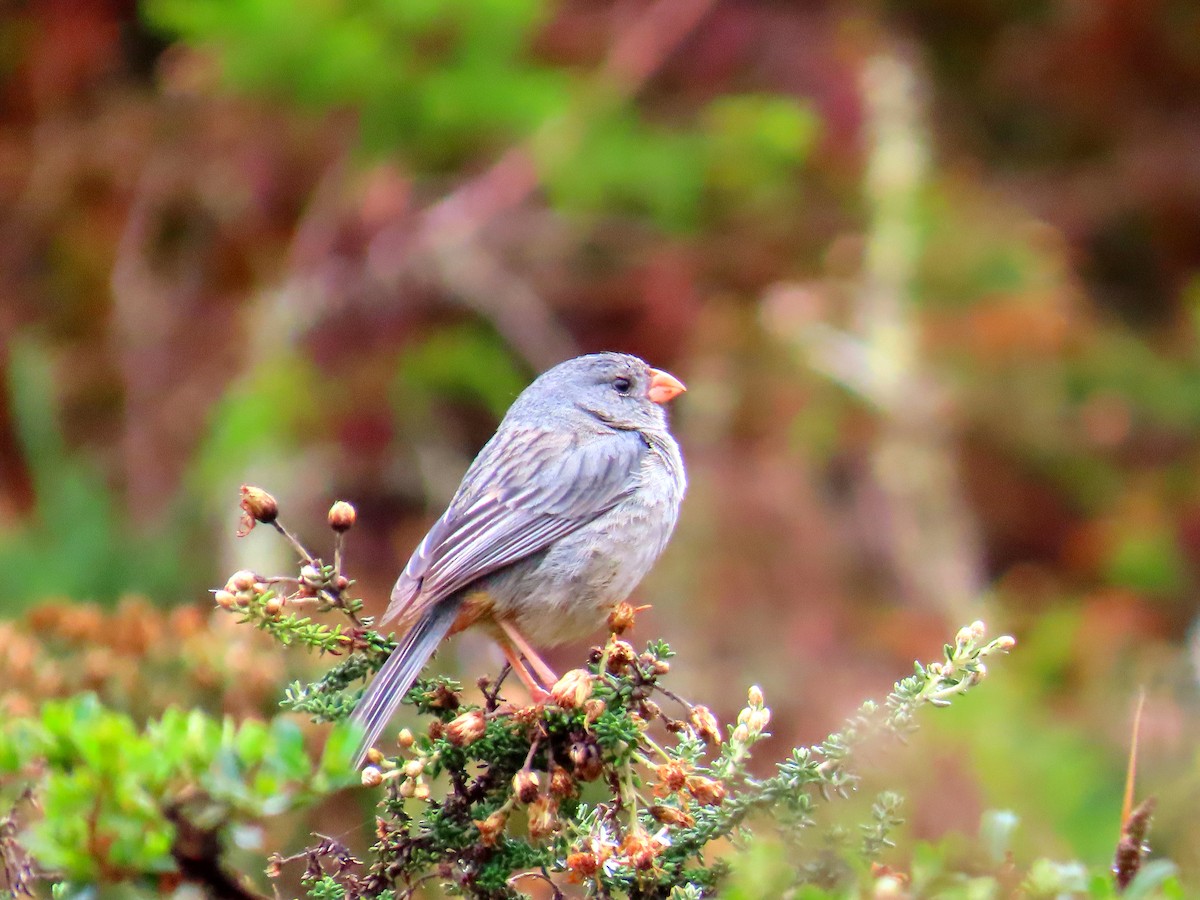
538,665
536,691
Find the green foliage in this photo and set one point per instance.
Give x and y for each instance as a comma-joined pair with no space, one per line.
112,793
77,542
444,82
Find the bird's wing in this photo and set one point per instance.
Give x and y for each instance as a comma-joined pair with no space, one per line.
527,488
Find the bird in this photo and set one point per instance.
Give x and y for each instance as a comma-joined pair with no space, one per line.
556,521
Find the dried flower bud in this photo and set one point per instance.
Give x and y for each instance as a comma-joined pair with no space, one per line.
754,696
706,791
526,786
414,767
437,729
421,791
649,710
594,709
273,606
639,849
543,818
274,866
241,580
708,729
620,656
562,783
570,691
374,757
671,776
405,739
583,865
670,815
621,619
225,599
444,698
257,506
491,828
585,757
342,516
466,729
372,777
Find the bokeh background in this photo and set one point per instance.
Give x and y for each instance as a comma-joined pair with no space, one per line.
930,269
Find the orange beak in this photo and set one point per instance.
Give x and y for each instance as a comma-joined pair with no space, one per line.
663,386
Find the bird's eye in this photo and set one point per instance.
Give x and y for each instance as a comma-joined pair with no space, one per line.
622,385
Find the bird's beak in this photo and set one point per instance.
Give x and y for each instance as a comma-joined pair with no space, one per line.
663,386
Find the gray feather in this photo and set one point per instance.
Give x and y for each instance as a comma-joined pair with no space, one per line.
400,671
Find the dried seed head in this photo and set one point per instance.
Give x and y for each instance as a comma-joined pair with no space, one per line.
257,506
708,729
405,739
672,777
543,818
570,691
372,777
670,815
562,783
526,786
466,729
621,619
706,791
342,516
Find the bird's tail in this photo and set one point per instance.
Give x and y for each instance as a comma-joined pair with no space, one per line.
399,672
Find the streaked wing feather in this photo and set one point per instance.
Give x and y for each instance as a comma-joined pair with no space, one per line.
527,488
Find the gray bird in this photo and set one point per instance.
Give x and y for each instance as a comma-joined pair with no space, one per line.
556,521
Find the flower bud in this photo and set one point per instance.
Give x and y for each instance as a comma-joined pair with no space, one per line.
466,729
570,691
620,656
526,786
421,791
257,506
405,739
372,777
706,791
273,606
741,734
755,696
225,599
413,768
311,576
407,788
661,667
342,516
1005,642
708,729
374,757
241,580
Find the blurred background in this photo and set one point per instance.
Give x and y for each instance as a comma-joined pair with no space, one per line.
931,271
